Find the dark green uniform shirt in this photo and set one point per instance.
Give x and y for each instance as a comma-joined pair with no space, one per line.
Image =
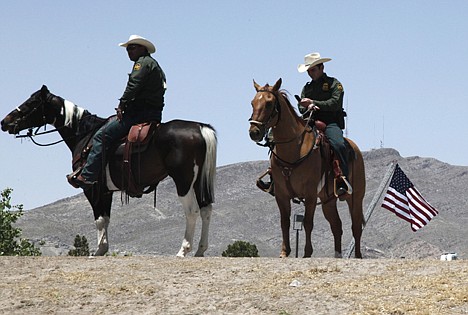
327,93
145,87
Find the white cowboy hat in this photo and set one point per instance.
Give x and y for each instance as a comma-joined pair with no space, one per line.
311,60
138,40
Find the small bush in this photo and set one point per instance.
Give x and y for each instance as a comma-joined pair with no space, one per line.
11,243
241,249
81,247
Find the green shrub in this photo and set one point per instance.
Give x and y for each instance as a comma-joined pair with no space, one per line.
81,247
241,249
11,243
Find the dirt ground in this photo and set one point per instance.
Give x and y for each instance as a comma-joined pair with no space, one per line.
169,285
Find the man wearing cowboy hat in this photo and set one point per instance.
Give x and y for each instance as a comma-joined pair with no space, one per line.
324,97
142,101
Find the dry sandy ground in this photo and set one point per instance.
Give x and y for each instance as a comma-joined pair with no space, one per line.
169,285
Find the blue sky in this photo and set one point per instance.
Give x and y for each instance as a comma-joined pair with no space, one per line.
402,64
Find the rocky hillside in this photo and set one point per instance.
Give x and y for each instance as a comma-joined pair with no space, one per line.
243,212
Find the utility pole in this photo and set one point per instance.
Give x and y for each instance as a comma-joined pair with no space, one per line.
371,207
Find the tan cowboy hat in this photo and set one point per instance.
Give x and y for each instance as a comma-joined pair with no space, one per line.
138,40
311,60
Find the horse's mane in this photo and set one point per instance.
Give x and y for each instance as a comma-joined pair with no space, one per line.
282,95
89,123
85,123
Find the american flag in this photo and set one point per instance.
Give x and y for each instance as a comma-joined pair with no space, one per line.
406,202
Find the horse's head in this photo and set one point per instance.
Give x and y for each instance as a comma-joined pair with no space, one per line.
34,112
265,110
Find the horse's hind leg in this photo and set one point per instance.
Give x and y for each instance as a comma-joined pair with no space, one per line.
191,209
205,213
330,212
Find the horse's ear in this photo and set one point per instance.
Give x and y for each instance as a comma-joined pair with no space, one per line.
44,91
256,86
277,85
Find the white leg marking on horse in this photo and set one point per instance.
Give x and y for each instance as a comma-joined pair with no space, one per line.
102,224
205,214
190,205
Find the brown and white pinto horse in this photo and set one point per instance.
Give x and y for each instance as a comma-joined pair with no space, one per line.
300,170
183,150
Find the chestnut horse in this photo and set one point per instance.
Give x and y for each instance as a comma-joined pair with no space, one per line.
183,150
300,170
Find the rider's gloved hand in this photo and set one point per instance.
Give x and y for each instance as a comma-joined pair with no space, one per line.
309,104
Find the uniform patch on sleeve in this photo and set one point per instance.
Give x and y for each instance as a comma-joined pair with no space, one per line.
340,87
137,66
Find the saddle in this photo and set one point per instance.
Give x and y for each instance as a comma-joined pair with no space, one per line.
329,155
326,150
134,143
332,162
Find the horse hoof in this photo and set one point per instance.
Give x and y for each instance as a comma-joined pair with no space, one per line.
180,254
200,254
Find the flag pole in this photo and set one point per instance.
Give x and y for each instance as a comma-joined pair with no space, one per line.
371,207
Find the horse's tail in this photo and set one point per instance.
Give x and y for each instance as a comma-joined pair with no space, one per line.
208,172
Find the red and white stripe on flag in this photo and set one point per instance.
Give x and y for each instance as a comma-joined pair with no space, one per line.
406,202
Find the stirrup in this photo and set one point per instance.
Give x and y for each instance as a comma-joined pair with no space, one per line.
72,175
349,189
266,186
263,186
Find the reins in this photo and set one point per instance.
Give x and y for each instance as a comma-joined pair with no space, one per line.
30,135
273,143
288,167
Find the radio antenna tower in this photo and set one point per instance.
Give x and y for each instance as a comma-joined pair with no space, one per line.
383,132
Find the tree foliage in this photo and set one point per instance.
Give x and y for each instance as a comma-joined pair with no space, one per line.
11,243
81,247
241,249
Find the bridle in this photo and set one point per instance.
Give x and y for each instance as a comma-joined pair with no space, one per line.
30,134
286,167
276,112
